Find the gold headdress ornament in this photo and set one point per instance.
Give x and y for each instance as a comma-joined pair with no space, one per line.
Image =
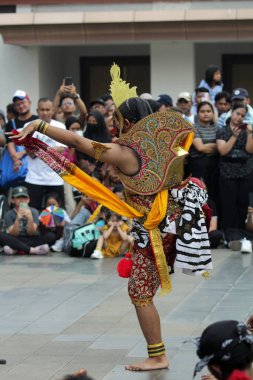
120,91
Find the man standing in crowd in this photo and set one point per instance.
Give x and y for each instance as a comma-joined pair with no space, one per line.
22,105
69,100
184,103
40,179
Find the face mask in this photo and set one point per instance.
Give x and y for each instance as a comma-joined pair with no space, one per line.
92,126
79,133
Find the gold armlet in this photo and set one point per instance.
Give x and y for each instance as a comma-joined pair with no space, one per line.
99,149
41,126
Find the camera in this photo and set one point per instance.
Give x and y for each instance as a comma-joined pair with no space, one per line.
68,81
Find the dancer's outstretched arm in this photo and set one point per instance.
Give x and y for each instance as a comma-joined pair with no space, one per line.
122,157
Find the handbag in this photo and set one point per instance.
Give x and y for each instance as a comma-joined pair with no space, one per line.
79,240
9,178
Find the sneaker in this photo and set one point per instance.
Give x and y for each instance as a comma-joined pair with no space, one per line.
41,249
97,254
246,246
235,245
58,245
9,251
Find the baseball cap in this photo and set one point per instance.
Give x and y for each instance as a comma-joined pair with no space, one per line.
97,101
239,93
20,94
146,96
185,95
19,191
165,100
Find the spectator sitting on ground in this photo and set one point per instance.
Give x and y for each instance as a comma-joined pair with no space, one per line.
84,208
69,102
115,239
241,239
21,223
226,348
61,218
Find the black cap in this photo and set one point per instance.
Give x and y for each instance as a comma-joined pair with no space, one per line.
19,191
165,99
97,101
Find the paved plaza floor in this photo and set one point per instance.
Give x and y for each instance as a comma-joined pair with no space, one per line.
59,314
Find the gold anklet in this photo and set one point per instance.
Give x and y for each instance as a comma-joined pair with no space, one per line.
156,349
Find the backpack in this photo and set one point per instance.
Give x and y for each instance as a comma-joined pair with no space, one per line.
80,241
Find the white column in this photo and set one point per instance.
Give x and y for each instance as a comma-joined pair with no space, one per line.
172,68
19,70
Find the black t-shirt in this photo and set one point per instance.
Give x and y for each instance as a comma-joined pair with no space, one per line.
18,124
237,163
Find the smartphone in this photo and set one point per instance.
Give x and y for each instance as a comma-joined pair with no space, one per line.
23,205
250,199
243,126
68,81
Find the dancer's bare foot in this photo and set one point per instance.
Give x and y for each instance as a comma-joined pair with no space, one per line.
150,364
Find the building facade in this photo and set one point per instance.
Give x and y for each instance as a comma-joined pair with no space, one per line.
162,46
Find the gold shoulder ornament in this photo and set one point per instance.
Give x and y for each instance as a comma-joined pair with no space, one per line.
99,149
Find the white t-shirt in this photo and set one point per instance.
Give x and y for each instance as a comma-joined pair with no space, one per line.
38,172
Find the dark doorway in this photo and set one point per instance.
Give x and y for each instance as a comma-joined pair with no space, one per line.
95,74
238,71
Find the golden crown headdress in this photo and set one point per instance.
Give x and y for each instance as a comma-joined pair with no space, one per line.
120,91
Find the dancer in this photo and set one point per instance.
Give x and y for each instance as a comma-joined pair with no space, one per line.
149,155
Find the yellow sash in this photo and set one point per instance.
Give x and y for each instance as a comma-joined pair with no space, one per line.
95,190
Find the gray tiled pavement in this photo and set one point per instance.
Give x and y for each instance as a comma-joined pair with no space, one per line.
59,314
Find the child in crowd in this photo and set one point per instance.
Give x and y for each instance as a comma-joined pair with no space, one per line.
54,223
115,239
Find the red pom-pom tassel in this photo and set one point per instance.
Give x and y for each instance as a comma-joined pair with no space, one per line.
238,375
124,267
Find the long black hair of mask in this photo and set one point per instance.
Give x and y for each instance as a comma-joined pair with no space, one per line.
97,132
241,352
135,109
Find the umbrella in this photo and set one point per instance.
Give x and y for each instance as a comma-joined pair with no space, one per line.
52,216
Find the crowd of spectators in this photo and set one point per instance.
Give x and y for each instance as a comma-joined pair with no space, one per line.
221,155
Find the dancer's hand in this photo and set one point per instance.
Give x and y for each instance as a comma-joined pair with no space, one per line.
29,129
